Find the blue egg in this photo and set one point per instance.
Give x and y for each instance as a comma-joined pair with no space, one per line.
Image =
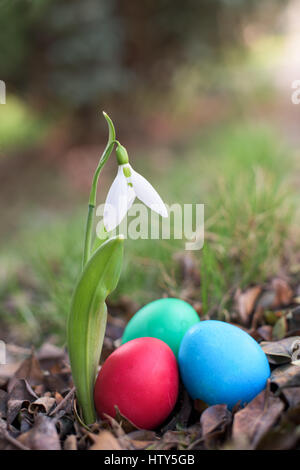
221,364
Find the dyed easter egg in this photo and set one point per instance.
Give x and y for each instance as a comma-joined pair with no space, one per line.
140,378
165,319
221,364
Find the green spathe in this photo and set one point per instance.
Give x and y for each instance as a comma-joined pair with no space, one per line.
165,319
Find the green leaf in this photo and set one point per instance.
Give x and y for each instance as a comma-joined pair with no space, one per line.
87,319
102,236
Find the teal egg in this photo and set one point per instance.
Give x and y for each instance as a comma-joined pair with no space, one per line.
165,319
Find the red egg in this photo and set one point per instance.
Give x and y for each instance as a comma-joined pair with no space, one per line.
141,378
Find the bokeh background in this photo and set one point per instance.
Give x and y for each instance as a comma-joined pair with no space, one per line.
200,93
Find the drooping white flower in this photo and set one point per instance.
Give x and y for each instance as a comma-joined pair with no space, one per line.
127,185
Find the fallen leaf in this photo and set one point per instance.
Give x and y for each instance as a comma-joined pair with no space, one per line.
3,403
174,439
253,421
104,441
30,370
42,405
281,352
185,409
284,293
141,439
265,332
58,382
293,318
70,443
43,435
267,300
111,424
21,395
25,419
125,423
214,422
282,437
64,424
215,417
50,355
245,303
286,376
292,396
7,441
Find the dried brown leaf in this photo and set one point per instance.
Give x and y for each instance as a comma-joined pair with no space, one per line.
255,420
21,395
185,409
286,376
284,293
141,439
292,396
245,303
175,440
265,332
29,370
281,352
104,441
7,441
50,356
43,435
3,403
58,382
124,422
113,425
267,300
293,318
215,422
216,417
282,437
42,405
70,442
65,425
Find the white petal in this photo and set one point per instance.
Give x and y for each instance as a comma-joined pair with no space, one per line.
117,200
147,194
131,197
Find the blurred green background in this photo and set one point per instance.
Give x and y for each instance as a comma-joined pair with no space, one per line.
200,93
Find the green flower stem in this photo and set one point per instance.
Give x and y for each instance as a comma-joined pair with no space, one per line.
92,200
87,318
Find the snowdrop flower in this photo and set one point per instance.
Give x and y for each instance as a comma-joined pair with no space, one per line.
128,185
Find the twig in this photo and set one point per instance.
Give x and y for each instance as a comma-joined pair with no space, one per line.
12,440
196,442
61,404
